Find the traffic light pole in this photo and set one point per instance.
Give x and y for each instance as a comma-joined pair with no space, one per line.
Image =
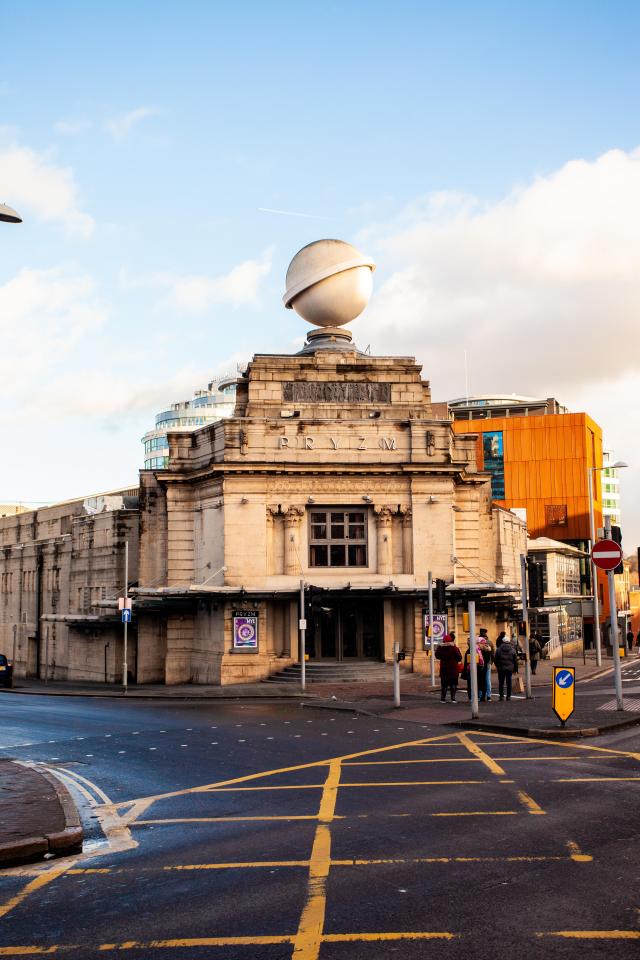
525,620
432,648
473,668
613,614
125,669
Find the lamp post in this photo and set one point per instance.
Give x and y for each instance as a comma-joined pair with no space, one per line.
9,215
618,465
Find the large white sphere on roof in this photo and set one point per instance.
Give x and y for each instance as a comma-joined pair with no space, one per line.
329,283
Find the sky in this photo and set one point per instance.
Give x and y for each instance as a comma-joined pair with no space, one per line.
169,159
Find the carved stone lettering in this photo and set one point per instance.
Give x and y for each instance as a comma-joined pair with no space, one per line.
388,443
363,443
308,443
334,441
305,391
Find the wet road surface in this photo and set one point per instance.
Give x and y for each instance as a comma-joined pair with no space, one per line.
264,830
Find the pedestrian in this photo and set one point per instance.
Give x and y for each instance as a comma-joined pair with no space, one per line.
629,639
535,649
487,650
479,668
638,644
449,656
506,661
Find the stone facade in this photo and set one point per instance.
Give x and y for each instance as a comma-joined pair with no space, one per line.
235,523
61,568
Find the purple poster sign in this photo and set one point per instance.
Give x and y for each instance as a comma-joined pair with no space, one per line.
245,629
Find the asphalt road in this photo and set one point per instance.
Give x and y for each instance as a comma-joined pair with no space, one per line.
264,830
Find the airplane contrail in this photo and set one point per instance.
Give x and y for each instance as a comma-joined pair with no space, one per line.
291,213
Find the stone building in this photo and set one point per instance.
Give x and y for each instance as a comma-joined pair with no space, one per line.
60,569
332,471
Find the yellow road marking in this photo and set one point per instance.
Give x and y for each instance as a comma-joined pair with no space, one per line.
388,763
145,823
477,751
593,934
310,929
567,746
478,813
529,803
593,779
576,853
320,786
29,888
17,951
204,788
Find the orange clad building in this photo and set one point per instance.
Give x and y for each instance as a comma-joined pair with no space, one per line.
539,462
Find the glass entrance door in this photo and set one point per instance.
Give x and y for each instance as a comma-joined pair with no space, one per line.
345,630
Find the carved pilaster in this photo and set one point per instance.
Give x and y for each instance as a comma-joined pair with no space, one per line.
272,513
384,517
407,539
292,522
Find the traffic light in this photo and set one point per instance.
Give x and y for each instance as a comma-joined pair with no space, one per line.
535,583
441,597
616,534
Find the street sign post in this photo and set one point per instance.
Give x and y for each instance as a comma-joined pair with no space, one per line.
606,554
564,692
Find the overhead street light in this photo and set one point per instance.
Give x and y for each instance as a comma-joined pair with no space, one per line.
9,215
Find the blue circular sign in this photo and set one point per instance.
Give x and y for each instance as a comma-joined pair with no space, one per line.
564,679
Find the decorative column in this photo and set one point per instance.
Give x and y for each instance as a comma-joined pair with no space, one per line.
407,539
384,516
272,513
292,559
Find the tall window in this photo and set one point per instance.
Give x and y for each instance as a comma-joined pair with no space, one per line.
337,538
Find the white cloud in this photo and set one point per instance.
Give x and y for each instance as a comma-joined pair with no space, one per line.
72,127
31,183
119,127
542,290
197,293
44,314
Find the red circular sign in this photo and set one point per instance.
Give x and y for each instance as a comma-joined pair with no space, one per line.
606,554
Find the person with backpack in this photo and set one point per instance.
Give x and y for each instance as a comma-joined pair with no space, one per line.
487,650
506,661
479,668
449,656
535,650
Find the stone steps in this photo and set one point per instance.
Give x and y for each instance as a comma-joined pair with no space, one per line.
362,672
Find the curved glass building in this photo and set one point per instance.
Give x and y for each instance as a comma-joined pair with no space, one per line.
206,406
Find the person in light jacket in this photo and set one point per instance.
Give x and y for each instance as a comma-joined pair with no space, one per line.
506,661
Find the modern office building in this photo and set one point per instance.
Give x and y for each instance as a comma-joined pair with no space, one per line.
610,480
206,406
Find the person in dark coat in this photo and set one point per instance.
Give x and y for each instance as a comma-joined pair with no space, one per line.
535,649
506,661
630,640
449,656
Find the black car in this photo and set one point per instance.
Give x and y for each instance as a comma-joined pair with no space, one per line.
6,671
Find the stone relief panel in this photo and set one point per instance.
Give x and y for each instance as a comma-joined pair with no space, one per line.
309,391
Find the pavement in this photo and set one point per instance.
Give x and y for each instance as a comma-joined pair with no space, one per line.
259,830
38,817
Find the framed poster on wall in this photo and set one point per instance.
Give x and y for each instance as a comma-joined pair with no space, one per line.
245,630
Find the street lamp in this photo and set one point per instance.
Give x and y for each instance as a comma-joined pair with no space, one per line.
9,215
618,465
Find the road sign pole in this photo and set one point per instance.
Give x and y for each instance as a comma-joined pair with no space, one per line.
594,576
525,619
125,678
303,641
473,668
431,638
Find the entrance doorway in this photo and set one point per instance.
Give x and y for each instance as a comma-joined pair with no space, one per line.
345,629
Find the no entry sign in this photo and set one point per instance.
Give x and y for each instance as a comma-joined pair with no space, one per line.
606,554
